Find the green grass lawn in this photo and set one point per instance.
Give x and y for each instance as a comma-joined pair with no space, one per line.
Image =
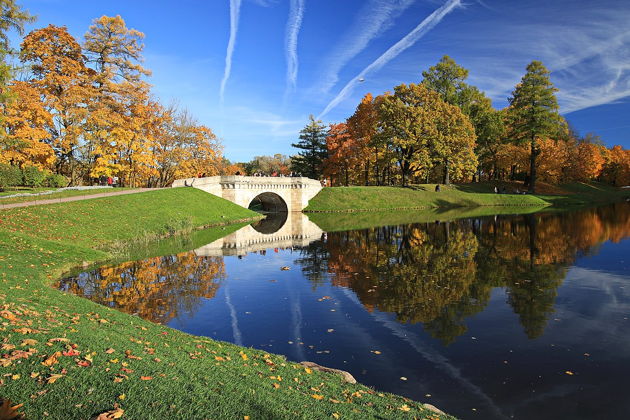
418,197
65,357
424,196
60,194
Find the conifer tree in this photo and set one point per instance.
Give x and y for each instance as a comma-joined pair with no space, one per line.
533,113
309,162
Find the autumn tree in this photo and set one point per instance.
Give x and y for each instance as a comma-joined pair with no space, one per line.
122,109
453,146
277,163
343,154
448,79
425,131
533,113
312,142
24,138
407,118
62,80
362,129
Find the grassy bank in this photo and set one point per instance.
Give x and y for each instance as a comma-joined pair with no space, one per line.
340,199
65,357
333,222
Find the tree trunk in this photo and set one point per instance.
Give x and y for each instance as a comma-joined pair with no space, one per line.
532,166
447,180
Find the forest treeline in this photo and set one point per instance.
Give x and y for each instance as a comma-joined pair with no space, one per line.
84,109
444,129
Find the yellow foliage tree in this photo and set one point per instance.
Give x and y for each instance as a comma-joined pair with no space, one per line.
24,142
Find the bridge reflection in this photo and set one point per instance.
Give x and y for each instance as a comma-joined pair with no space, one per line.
278,230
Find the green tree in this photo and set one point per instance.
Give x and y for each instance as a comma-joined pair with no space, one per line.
533,113
309,162
12,17
448,79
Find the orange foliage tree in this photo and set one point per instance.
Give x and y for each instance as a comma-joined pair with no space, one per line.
24,142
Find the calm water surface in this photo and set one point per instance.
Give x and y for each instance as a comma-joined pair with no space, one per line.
494,317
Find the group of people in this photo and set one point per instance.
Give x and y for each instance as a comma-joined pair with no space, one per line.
279,174
504,191
107,181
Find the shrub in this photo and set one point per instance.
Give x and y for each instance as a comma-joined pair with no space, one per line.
56,181
10,176
33,176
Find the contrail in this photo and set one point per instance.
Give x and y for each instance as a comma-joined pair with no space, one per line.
374,18
296,13
235,11
236,332
411,38
429,354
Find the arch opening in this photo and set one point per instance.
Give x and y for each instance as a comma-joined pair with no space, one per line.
272,223
268,202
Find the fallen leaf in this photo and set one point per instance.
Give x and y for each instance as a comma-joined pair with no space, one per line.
53,378
110,415
146,378
404,407
317,397
109,351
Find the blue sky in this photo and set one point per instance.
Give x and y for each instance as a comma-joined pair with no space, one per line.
292,58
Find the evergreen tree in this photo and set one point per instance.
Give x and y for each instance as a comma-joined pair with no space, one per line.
309,162
533,113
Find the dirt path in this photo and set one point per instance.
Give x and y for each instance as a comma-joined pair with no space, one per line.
75,198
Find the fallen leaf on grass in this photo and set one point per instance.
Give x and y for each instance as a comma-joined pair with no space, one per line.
53,378
317,397
146,378
109,351
52,359
404,407
110,415
7,411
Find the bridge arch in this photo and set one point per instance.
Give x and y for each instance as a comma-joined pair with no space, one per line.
268,202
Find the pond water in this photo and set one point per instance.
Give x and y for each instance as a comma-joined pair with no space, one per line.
513,316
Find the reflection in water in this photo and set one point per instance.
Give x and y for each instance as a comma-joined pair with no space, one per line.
439,274
157,289
272,223
485,313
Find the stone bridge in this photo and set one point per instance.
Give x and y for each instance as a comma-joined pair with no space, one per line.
280,230
266,193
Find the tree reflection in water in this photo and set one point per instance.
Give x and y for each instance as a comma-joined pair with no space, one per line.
158,289
441,273
437,274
